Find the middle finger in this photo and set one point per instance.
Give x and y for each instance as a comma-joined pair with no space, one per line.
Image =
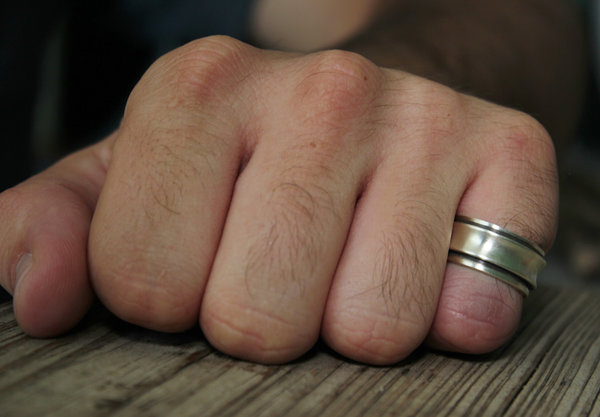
290,213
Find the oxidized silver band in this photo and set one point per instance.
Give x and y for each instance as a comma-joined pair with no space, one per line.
493,250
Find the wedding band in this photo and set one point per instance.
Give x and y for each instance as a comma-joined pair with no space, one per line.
497,252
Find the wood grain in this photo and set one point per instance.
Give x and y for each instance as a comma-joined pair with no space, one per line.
107,367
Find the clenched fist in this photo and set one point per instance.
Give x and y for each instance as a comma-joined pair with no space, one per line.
275,198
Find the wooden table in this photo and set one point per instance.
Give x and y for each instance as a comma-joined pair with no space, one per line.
107,367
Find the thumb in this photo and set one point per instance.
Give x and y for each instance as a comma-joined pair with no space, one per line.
44,224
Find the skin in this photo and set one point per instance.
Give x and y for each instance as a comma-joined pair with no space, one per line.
275,198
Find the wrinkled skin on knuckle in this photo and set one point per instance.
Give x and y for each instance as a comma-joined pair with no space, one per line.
390,330
138,271
143,288
422,117
190,93
204,70
249,333
335,88
369,336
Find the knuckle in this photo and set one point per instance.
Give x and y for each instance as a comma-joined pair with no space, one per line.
436,114
431,98
205,64
249,333
372,337
180,116
406,276
337,86
525,138
141,289
204,69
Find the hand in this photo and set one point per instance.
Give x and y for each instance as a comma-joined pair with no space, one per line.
276,197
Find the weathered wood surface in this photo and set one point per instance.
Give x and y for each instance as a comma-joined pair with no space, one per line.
107,367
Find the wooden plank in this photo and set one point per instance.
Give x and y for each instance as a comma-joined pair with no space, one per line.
569,367
107,367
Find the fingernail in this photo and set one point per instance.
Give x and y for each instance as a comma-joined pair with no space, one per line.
23,267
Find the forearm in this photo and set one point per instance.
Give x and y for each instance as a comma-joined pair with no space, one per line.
526,54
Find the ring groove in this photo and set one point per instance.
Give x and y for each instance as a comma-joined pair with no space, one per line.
495,251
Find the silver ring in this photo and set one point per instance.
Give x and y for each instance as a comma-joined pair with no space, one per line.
497,252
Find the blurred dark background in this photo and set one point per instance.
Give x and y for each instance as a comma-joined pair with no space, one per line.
66,69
